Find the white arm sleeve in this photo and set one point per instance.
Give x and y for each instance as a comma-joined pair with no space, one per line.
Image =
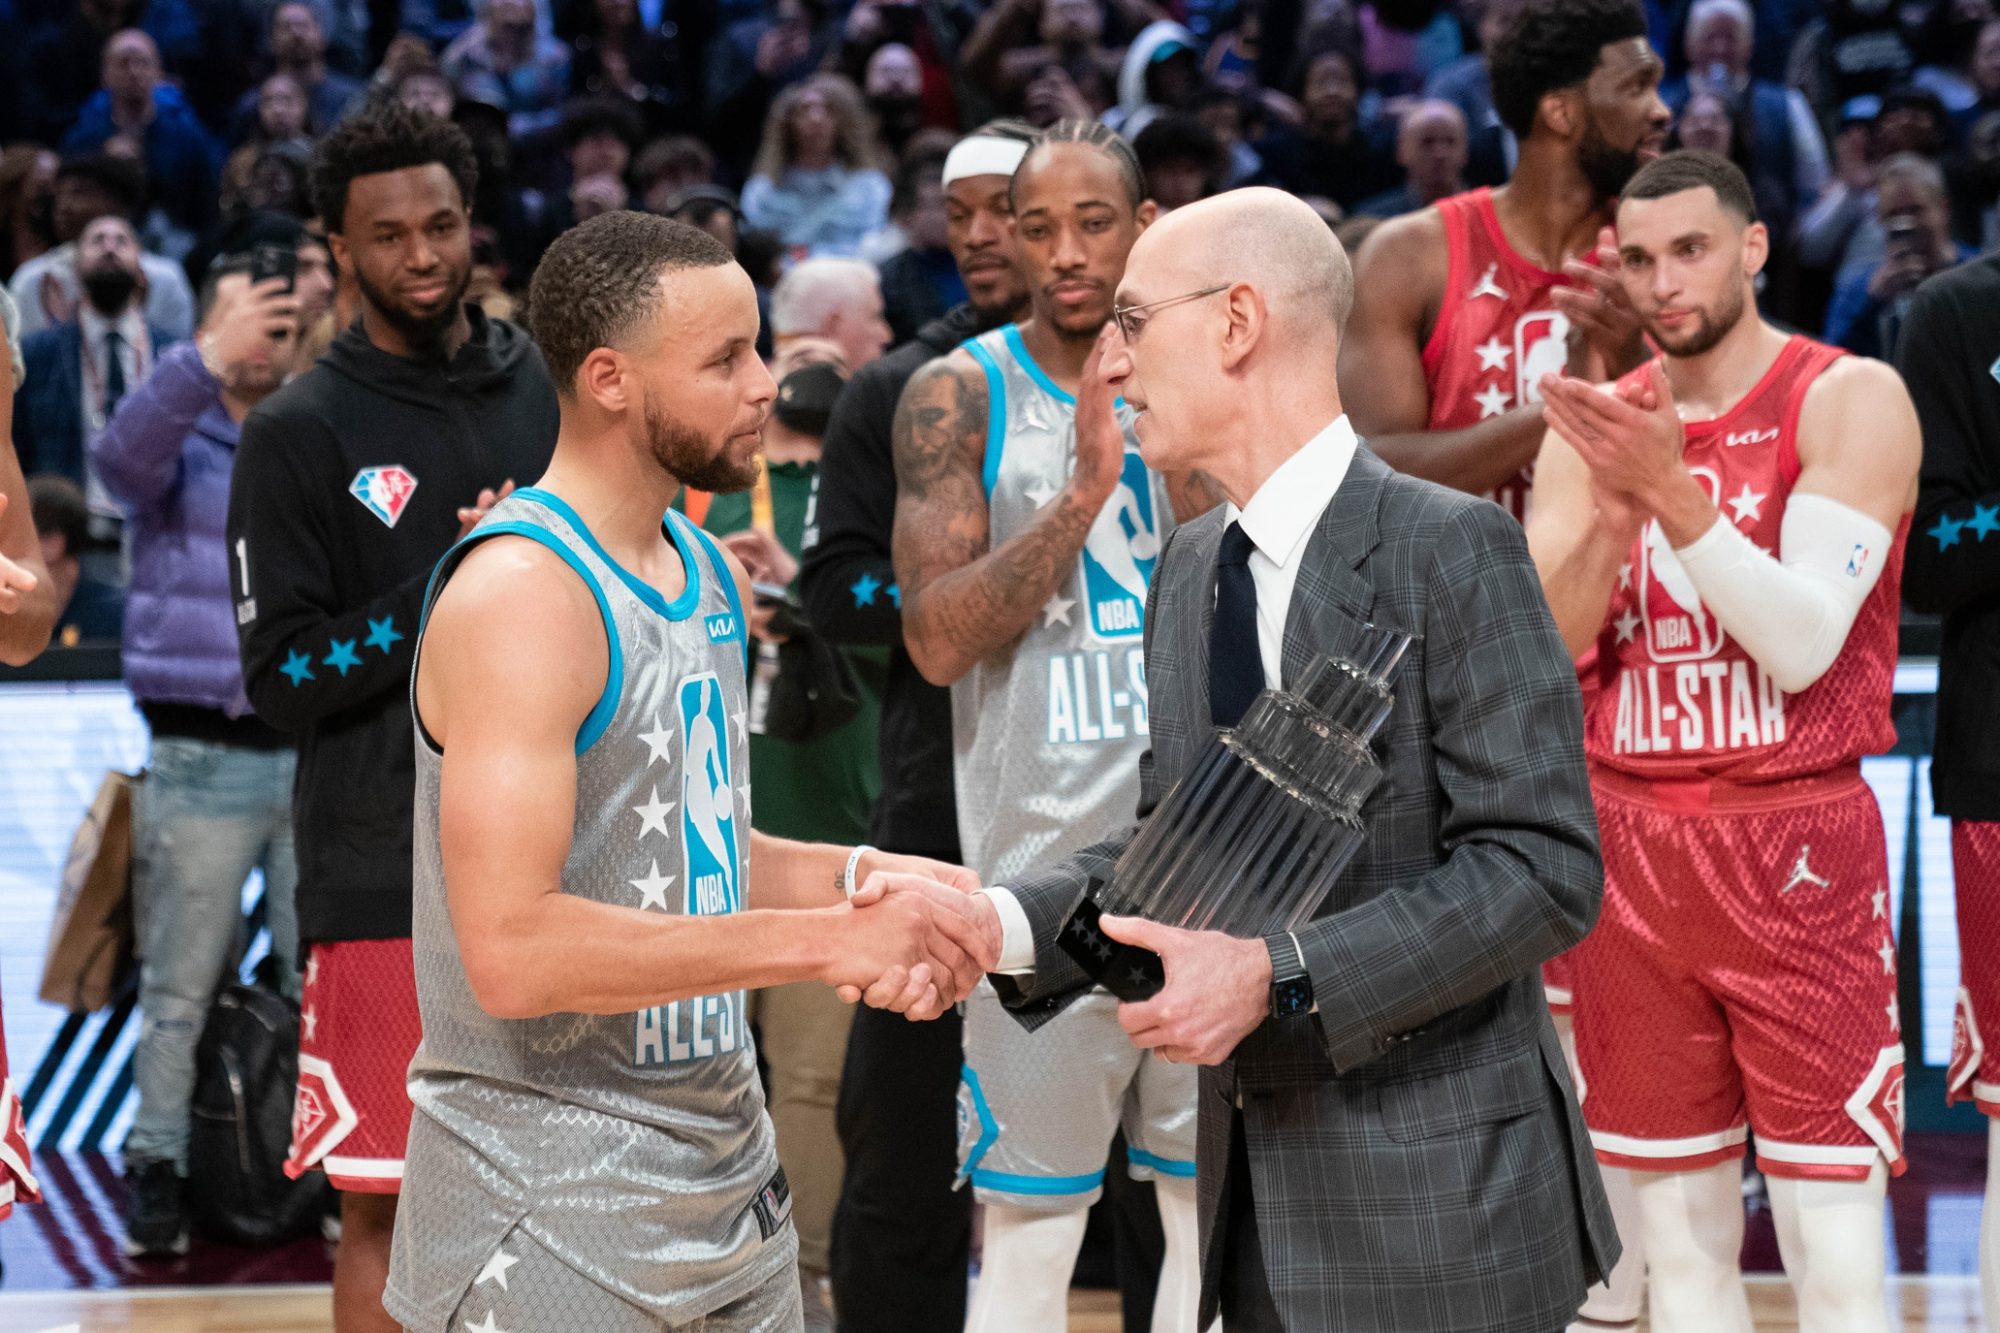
1791,614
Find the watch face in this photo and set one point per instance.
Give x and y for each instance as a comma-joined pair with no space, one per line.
1292,997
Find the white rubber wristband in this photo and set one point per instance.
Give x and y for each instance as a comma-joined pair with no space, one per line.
847,885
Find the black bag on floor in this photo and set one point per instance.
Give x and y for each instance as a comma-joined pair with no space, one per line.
246,1072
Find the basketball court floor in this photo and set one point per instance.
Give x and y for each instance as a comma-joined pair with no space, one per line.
63,1272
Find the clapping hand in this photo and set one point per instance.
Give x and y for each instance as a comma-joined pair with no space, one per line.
469,515
1605,337
16,581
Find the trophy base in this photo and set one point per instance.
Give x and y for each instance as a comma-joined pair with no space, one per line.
1126,970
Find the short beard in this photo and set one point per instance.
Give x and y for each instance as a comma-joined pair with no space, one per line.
1606,169
1714,327
684,454
418,331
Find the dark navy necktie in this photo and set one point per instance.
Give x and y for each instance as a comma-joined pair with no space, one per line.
1235,667
114,372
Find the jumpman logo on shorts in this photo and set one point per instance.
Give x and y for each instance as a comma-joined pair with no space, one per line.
1803,873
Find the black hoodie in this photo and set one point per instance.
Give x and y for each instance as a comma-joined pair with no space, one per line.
848,588
346,492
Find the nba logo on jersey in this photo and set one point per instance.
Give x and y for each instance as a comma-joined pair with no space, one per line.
1541,347
384,490
708,799
1678,627
1118,555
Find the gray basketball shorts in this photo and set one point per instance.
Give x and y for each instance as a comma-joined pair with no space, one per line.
1036,1110
524,1288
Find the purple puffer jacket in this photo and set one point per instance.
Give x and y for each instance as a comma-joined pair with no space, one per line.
166,455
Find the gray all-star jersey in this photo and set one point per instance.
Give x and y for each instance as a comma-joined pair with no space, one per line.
633,1146
1047,739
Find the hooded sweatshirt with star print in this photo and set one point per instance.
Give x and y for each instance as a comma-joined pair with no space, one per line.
1950,359
347,487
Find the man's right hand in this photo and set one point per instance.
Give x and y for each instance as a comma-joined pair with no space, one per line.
16,581
247,326
912,945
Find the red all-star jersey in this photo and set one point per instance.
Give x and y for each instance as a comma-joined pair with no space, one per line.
1679,697
1498,331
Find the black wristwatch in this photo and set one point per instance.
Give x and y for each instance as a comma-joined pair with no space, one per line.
1291,984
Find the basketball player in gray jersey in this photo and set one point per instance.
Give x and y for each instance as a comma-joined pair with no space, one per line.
1023,548
590,1152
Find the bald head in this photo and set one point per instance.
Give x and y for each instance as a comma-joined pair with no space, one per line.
1267,238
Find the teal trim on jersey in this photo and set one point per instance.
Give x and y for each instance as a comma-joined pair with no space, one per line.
1166,1166
989,1128
599,717
1012,333
677,520
1008,1183
678,609
996,414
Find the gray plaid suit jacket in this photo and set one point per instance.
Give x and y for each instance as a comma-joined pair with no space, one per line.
1418,1162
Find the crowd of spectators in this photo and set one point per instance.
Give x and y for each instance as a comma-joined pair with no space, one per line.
803,129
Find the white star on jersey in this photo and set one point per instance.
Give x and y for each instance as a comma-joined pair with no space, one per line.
1888,953
1493,354
653,888
1492,400
1747,504
485,1325
739,719
496,1269
743,795
654,812
310,1021
1895,1012
1881,903
1056,609
1628,625
1487,286
660,741
1041,492
1625,575
312,968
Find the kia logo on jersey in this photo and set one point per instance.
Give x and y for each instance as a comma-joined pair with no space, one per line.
385,491
1541,347
1678,627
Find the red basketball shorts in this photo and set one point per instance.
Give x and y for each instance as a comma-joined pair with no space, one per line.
1742,975
358,1028
17,1179
1975,1064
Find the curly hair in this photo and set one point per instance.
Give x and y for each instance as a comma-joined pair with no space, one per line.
1091,134
1552,45
601,279
387,136
854,140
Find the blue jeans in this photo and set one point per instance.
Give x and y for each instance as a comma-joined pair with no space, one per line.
205,816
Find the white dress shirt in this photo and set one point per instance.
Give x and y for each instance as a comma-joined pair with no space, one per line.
134,359
1278,520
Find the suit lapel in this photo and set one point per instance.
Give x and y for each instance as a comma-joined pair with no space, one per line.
1328,577
1206,543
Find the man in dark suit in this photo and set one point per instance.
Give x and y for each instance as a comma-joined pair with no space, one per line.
78,370
1396,1146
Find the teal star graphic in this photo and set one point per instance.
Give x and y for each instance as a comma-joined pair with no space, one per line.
896,595
1985,519
342,657
382,633
1946,531
864,590
298,666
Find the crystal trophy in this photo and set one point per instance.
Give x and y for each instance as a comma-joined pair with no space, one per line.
1251,840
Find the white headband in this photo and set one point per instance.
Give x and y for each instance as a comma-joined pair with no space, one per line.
983,155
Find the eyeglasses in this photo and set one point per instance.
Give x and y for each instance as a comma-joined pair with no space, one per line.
1132,318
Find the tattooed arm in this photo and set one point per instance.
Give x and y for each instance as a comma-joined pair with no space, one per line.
964,602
